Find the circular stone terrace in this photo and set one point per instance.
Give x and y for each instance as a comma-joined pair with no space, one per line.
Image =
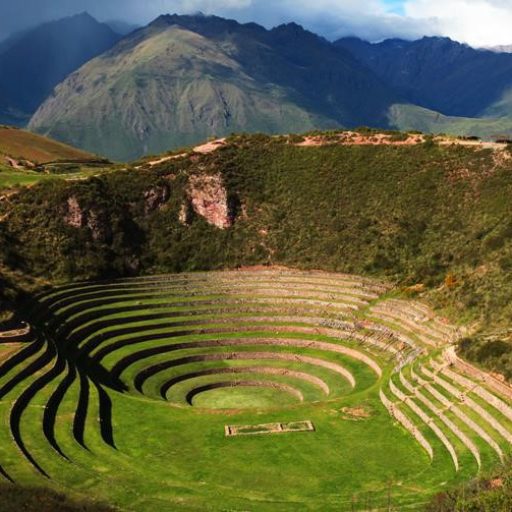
171,369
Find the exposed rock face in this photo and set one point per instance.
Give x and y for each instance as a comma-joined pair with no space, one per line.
75,216
13,163
155,198
94,220
19,164
186,213
98,226
209,198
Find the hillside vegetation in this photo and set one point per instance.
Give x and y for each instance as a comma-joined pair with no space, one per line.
27,158
489,492
434,217
14,499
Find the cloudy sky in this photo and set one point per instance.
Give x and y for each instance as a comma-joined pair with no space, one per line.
477,22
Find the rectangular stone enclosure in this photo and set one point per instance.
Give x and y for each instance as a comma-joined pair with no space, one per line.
269,428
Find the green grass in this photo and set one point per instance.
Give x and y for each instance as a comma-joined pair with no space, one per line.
180,450
411,215
171,455
12,178
243,398
14,499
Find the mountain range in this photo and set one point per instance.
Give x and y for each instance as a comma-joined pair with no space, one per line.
182,79
440,74
33,62
186,78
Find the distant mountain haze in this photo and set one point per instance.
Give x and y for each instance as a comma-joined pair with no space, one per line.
122,28
32,63
185,78
438,73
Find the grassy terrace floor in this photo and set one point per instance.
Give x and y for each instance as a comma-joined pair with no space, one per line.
126,388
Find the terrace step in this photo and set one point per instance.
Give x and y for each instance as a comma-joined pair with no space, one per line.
428,421
469,402
407,424
466,441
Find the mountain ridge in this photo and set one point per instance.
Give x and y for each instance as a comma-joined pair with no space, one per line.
154,90
254,80
437,73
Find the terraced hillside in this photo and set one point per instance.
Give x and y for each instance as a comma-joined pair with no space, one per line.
339,394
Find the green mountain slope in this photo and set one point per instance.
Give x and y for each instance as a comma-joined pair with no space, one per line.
183,79
27,158
449,87
412,117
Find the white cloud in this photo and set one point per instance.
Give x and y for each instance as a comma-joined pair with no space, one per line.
332,18
373,19
477,22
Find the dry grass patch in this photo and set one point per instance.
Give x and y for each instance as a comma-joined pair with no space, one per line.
358,413
20,144
269,428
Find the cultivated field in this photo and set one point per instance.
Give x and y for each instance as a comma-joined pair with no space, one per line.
244,390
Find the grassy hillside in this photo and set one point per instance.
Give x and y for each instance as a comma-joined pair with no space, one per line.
412,117
502,108
24,145
177,108
415,214
27,158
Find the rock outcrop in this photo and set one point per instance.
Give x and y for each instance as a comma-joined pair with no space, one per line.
209,198
155,198
75,216
95,220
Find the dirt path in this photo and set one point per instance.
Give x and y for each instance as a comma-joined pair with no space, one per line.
347,138
210,147
382,139
152,163
203,149
471,143
357,139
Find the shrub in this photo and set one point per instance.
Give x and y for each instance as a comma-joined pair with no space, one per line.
15,499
